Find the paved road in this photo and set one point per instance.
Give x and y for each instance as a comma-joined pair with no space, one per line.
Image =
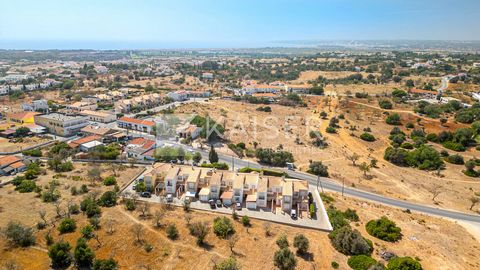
331,185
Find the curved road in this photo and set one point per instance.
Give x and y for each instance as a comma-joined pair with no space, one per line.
329,184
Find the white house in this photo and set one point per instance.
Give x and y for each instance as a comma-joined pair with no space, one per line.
36,105
90,146
178,95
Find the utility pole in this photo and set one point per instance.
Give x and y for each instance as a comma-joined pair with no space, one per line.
319,181
343,186
233,164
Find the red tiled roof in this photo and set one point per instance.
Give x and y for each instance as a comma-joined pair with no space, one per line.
142,142
7,160
17,165
137,121
137,141
149,153
90,138
148,144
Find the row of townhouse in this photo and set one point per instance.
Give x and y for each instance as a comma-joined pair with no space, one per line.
4,90
81,106
129,123
255,189
182,95
142,102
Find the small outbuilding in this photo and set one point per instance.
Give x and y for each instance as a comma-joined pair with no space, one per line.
227,197
204,194
252,201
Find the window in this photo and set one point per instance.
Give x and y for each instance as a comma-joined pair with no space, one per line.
286,199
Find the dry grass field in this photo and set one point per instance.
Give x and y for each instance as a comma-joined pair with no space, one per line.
6,146
456,249
245,124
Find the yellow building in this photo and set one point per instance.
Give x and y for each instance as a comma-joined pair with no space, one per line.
22,117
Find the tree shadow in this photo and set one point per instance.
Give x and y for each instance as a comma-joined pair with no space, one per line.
238,254
207,246
308,256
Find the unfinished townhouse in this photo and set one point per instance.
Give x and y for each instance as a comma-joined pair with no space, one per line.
253,190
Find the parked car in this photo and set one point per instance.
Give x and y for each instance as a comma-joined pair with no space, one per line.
219,203
146,194
238,206
169,198
212,204
293,214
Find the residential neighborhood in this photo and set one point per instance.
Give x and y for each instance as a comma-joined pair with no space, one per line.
232,135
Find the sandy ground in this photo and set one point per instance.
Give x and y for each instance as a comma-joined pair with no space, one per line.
28,209
244,124
6,146
438,243
455,249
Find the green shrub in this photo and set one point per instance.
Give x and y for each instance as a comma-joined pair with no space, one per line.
318,168
454,146
361,262
284,259
403,263
223,227
385,104
26,186
396,156
108,199
130,204
246,221
326,198
337,218
19,235
172,231
350,242
432,137
335,265
407,145
110,181
60,255
33,152
216,165
394,119
108,264
384,229
351,215
282,241
455,159
367,137
90,207
272,157
425,158
330,129
83,254
228,264
67,225
301,243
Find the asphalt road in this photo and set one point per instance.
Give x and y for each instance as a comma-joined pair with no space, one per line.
331,185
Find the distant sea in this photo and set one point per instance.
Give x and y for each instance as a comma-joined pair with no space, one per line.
125,45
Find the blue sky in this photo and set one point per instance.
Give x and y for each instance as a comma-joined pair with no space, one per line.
204,23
